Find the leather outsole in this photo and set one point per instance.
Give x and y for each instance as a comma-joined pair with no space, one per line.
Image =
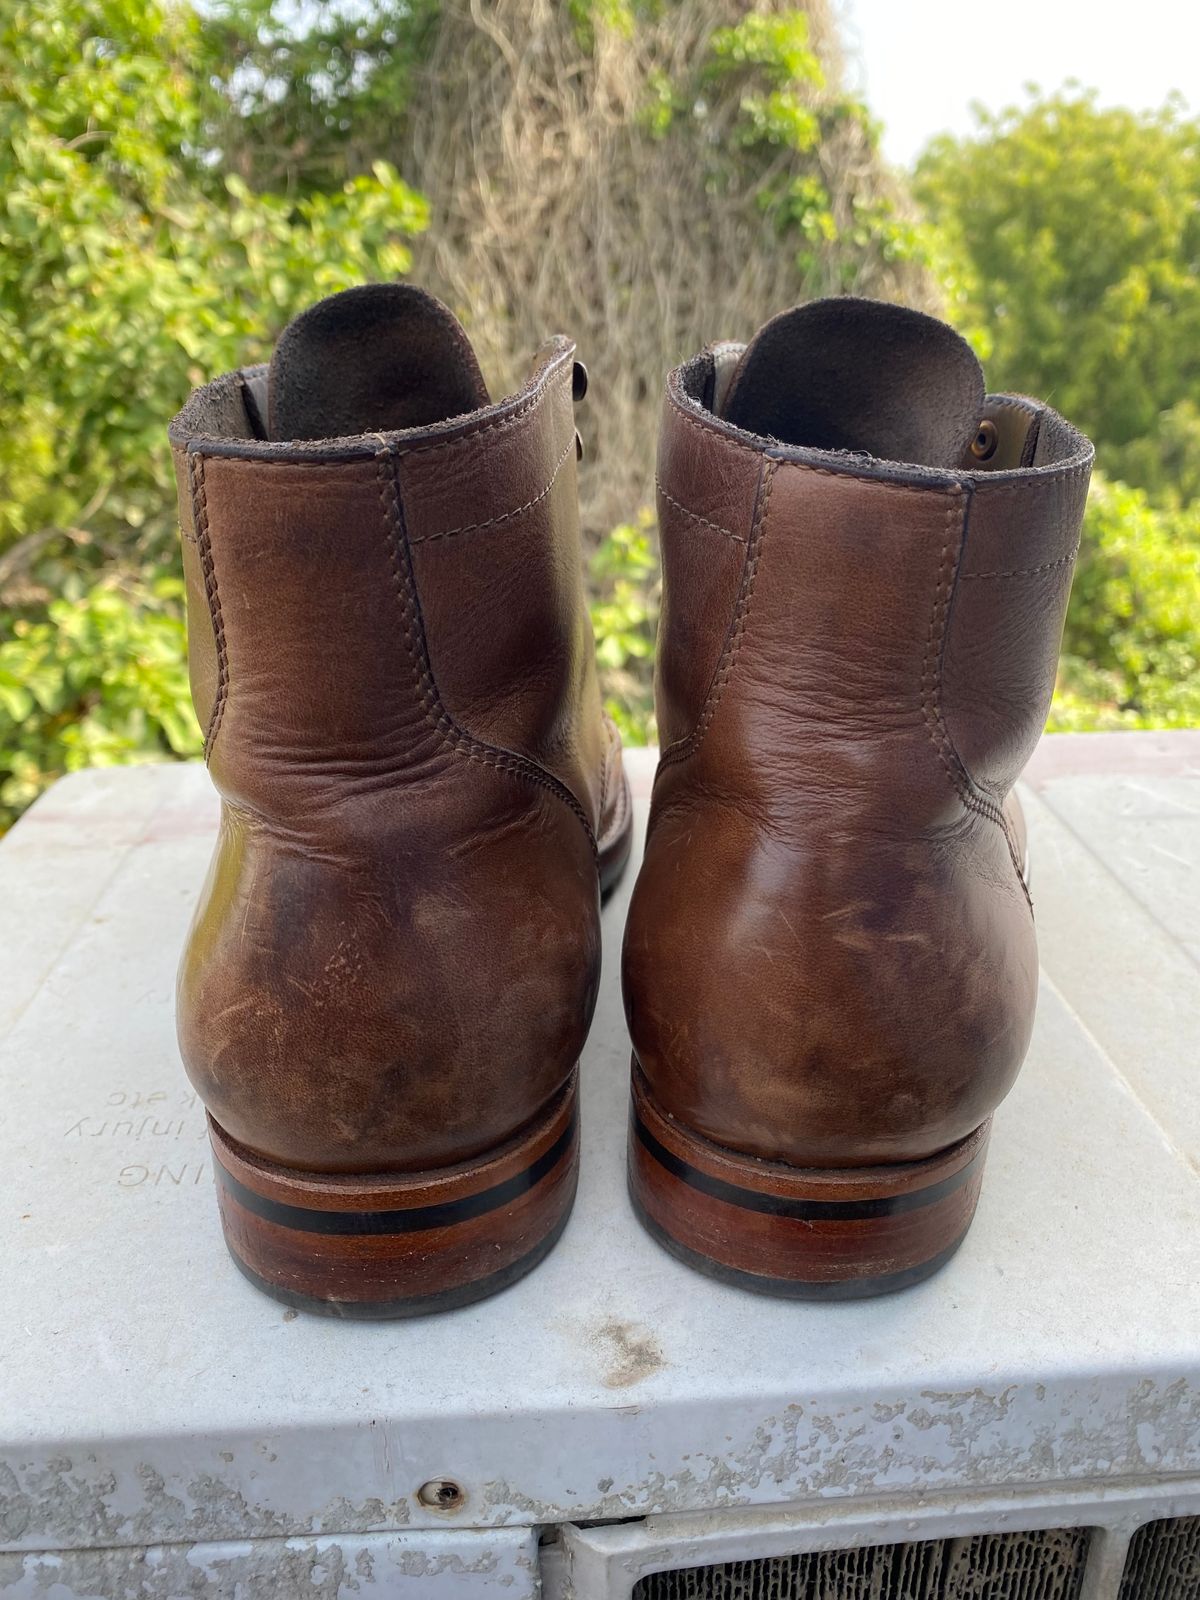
800,1233
400,1244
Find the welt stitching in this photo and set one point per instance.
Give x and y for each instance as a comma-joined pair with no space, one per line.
199,493
620,812
931,685
505,516
605,765
1044,476
496,425
1027,572
1018,406
695,515
689,745
931,668
868,479
436,715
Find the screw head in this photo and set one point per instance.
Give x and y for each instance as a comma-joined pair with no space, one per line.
442,1494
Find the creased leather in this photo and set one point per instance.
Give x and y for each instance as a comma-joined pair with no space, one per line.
704,520
829,958
500,559
394,961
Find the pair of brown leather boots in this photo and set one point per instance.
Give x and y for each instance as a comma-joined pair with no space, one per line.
829,965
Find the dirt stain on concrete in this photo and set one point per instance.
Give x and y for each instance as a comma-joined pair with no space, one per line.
628,1351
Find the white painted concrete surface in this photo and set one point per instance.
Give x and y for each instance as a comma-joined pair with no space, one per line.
150,1397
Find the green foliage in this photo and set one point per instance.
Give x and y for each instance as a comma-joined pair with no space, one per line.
100,681
308,96
175,184
1131,651
1076,231
129,271
663,103
626,591
1166,461
125,275
788,126
591,16
777,43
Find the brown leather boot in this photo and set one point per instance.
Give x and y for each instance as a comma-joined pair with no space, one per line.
394,961
830,968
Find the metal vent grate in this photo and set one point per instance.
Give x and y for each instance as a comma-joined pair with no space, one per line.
1164,1562
1044,1565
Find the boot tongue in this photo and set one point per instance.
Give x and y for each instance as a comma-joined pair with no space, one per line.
849,374
371,360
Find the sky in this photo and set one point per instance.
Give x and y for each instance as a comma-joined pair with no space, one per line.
920,63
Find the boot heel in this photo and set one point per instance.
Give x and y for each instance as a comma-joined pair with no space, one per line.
399,1244
806,1233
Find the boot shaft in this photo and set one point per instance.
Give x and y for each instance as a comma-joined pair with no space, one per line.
394,962
830,959
842,635
358,609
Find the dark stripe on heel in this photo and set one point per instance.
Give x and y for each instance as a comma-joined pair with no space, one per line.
805,1233
399,1244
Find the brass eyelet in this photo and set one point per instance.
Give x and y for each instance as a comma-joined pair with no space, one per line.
986,441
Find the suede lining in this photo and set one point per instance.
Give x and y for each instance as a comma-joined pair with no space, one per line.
860,375
1060,447
380,358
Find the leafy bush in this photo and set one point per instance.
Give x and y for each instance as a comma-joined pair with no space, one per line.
131,268
101,681
1075,229
1131,651
626,591
175,184
787,109
1166,461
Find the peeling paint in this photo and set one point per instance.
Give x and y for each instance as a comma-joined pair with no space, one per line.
64,1504
303,1571
654,1460
417,1564
467,1565
949,1438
